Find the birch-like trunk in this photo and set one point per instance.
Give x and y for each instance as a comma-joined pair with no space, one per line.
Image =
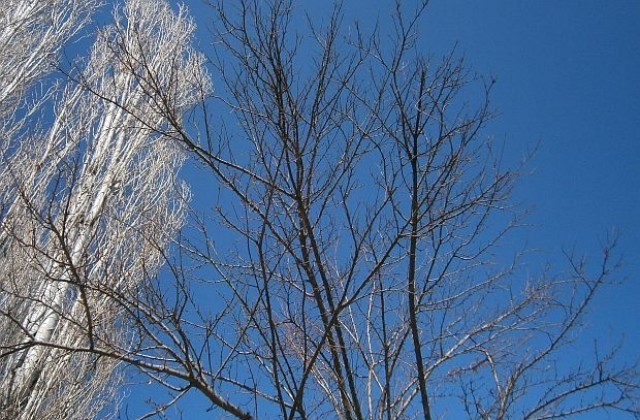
92,203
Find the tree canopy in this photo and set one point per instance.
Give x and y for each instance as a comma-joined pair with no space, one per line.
355,262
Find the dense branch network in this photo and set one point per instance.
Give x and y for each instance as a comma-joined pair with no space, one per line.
351,266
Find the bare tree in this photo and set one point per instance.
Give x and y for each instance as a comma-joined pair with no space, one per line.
365,277
31,36
355,265
89,206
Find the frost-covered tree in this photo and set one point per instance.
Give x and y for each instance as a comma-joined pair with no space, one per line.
90,198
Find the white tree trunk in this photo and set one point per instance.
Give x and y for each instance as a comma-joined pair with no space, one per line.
91,203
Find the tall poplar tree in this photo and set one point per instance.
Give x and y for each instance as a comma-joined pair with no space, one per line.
90,198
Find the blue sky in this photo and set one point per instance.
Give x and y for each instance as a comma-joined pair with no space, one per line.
568,81
568,77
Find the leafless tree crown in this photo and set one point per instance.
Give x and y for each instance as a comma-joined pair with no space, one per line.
353,264
88,203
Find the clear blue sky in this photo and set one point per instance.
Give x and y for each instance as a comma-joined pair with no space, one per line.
569,80
568,77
